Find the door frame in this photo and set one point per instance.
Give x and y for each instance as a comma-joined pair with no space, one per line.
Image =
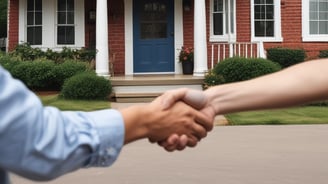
178,35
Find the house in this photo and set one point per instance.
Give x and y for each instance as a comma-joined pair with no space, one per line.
144,36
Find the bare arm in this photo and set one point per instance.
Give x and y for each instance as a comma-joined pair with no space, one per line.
295,85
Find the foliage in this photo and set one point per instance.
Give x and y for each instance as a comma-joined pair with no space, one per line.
286,56
87,86
239,69
186,54
323,54
36,75
67,69
25,52
212,79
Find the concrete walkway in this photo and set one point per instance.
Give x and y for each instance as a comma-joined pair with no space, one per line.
229,155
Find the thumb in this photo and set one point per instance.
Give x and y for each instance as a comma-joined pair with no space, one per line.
195,99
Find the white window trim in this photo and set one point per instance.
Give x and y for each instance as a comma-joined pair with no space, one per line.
224,37
307,37
277,24
49,20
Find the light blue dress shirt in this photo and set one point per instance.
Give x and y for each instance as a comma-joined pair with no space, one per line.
42,143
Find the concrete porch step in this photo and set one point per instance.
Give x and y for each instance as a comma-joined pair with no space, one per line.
144,88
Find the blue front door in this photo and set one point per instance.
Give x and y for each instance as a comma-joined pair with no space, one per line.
153,36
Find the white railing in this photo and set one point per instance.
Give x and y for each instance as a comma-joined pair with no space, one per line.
221,51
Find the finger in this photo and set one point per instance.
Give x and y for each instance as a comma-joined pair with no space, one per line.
192,141
171,140
183,141
205,119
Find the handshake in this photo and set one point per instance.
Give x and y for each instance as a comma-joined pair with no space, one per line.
175,120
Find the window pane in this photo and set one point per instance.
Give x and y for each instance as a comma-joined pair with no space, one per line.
38,18
70,35
38,35
269,28
61,17
70,5
30,5
269,12
30,18
218,23
314,6
314,27
65,35
323,27
269,2
232,16
314,15
218,6
61,5
323,6
259,28
259,12
323,16
34,35
70,18
38,5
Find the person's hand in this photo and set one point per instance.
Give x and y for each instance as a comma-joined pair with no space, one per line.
180,119
196,99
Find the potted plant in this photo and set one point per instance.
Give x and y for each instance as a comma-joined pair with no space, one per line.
186,58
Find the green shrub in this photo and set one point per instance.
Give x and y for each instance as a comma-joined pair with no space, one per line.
86,86
240,69
36,75
67,69
285,56
25,52
323,54
212,79
8,62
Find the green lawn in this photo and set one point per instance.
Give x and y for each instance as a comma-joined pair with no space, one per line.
298,115
83,105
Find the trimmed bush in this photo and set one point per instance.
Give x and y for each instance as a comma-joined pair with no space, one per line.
240,69
86,86
36,75
66,70
286,57
7,62
323,54
212,79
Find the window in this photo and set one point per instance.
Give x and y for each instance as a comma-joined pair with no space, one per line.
65,22
265,16
223,20
315,20
34,22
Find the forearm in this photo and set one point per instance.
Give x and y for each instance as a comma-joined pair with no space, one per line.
42,143
293,86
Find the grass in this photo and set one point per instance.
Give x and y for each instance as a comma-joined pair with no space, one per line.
297,115
78,105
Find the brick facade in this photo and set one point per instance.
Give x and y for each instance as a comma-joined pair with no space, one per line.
291,24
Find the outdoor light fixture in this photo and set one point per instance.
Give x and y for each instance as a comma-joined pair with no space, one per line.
186,5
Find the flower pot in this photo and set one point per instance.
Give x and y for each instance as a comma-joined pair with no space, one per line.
188,67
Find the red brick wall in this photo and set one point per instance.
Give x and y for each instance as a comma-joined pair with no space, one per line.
291,25
115,31
13,6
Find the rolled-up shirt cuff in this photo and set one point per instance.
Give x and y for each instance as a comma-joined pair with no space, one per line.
110,127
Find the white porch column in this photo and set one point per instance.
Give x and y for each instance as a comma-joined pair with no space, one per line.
200,45
102,56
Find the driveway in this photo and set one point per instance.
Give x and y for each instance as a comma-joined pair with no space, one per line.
229,155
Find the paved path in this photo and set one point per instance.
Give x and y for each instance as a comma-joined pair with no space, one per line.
229,155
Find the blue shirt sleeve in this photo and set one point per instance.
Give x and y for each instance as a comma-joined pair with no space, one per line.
42,143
